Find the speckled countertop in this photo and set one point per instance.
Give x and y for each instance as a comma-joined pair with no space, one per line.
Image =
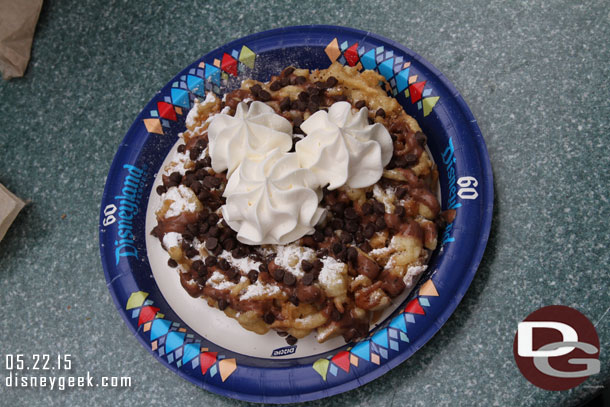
535,75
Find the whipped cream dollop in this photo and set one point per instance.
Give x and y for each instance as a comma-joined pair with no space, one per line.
342,148
252,132
271,200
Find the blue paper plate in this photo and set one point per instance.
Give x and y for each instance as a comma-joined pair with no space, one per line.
466,186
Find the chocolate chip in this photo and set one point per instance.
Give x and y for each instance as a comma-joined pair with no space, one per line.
371,121
380,112
217,250
399,210
211,261
161,189
291,340
380,224
192,228
238,252
318,236
254,89
335,315
175,177
287,71
306,266
188,236
194,154
320,254
214,231
400,162
225,233
369,230
299,105
366,247
294,300
191,252
313,107
401,192
285,104
367,208
231,273
308,279
197,265
224,264
351,226
336,224
222,304
410,159
203,195
337,247
359,237
352,255
201,143
278,274
346,237
379,207
284,82
350,213
262,268
289,279
317,99
360,104
182,148
207,161
299,80
264,96
212,181
420,138
213,219
269,318
340,98
328,231
229,244
317,265
196,187
253,276
172,263
338,208
275,86
331,82
203,228
304,96
211,243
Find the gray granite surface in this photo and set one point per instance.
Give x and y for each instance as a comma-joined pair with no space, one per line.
535,74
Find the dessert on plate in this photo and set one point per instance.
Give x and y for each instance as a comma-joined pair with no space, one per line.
303,204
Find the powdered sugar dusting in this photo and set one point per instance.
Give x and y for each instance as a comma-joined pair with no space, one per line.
182,200
259,290
412,275
332,272
244,264
289,258
387,197
218,281
172,239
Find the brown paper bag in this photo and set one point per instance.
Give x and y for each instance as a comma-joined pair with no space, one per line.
10,206
17,24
